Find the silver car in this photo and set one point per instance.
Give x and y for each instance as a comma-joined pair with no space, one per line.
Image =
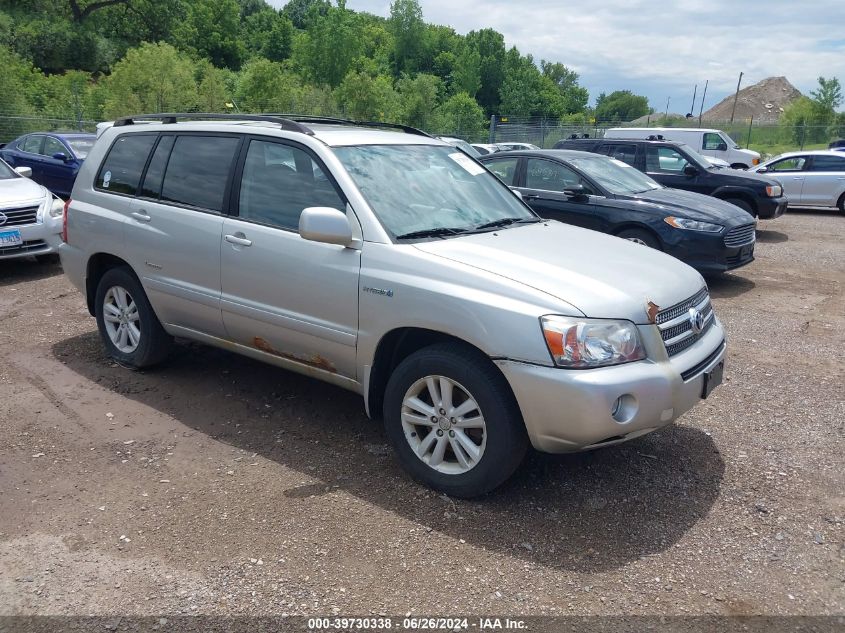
30,216
394,265
809,179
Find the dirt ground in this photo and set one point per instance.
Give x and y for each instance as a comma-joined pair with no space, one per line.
218,485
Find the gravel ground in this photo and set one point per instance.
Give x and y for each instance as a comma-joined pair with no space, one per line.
218,485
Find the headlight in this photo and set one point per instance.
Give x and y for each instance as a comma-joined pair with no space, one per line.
693,225
774,191
57,208
585,343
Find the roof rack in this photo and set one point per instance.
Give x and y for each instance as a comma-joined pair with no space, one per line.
302,118
173,117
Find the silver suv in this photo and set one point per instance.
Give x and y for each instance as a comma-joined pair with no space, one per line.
392,264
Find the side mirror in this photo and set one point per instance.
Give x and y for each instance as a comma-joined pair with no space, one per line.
722,147
516,192
61,156
26,172
575,191
690,170
762,170
325,224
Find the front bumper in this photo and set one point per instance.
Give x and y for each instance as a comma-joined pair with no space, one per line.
42,238
771,208
572,410
707,252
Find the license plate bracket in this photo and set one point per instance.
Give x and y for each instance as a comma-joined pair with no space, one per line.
713,379
10,237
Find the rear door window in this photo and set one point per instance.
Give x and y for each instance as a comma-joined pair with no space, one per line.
121,170
626,152
198,171
53,146
550,176
505,169
32,144
155,172
828,163
793,163
664,160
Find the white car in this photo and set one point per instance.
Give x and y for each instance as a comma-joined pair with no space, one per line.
486,148
30,216
511,147
809,179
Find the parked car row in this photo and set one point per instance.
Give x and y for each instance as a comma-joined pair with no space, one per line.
54,159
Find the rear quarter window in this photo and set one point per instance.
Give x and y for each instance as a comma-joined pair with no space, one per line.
121,170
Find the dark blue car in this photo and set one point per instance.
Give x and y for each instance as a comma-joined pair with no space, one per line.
607,195
55,158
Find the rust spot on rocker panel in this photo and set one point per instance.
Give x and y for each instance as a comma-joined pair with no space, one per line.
315,361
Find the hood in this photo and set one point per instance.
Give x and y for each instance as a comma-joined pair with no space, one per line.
603,276
15,190
692,205
748,152
742,177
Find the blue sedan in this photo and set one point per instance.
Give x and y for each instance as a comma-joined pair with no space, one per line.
54,158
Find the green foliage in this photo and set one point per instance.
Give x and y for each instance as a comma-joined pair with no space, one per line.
407,26
461,115
490,45
152,78
269,34
829,94
574,97
303,12
526,91
211,30
621,105
419,98
466,73
363,97
333,41
806,119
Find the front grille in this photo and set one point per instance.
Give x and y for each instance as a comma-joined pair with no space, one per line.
740,235
20,216
31,245
676,327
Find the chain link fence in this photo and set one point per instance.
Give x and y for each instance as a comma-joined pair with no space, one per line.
15,125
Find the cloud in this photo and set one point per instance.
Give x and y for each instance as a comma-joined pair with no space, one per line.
659,49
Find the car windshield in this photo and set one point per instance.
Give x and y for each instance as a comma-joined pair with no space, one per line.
417,189
6,172
614,175
700,161
80,146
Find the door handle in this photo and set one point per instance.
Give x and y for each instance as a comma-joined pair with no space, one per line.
239,239
141,216
530,197
798,178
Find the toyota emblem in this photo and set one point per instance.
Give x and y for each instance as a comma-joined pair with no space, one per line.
696,320
3,218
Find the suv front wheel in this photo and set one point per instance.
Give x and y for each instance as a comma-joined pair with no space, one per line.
453,420
128,326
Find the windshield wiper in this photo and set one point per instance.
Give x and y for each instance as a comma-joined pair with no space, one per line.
440,231
506,222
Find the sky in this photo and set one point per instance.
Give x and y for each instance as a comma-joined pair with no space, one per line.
657,51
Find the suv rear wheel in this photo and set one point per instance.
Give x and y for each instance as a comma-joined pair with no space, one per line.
128,326
453,420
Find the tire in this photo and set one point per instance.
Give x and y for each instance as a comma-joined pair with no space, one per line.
145,342
742,204
640,236
739,166
841,203
500,442
47,260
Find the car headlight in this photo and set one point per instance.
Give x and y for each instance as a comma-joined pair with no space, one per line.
57,208
693,225
585,343
774,191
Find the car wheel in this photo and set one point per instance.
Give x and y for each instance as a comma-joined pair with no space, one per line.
639,236
742,204
841,203
128,326
453,420
739,166
50,259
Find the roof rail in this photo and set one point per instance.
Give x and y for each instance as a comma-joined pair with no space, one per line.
173,117
304,118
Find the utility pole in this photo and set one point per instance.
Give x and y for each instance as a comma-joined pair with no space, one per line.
703,97
736,96
692,107
666,116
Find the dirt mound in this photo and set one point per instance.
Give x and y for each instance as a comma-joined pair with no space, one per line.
764,101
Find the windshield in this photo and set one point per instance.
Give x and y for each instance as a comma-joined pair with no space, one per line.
6,172
617,177
80,146
420,188
695,157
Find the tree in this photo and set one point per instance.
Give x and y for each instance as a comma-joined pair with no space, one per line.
621,105
366,98
211,30
303,12
575,97
265,86
80,12
326,52
419,99
829,94
460,115
805,119
268,33
490,45
151,78
466,76
407,26
527,92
